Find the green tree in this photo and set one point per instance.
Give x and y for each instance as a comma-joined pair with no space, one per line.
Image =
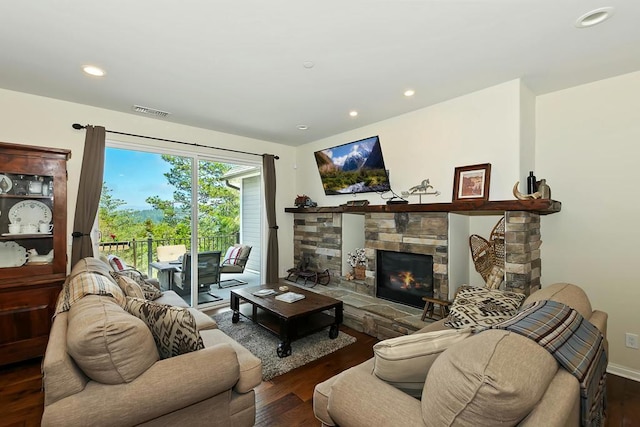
218,205
108,215
117,224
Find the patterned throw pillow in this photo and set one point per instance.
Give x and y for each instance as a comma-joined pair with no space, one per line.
149,292
116,263
482,307
231,257
173,328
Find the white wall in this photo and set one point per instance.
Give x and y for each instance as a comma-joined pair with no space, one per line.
588,149
352,237
482,127
34,120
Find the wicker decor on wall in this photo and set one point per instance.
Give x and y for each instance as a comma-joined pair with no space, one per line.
488,255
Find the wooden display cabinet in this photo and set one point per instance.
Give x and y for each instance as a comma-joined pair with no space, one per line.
33,240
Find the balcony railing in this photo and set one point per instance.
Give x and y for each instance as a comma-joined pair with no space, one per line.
140,253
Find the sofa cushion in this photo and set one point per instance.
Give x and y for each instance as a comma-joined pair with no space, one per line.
107,343
404,361
173,328
491,378
482,307
149,291
565,293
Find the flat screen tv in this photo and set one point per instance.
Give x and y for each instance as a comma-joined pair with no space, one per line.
355,167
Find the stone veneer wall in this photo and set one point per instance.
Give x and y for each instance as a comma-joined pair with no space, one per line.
522,251
318,237
425,233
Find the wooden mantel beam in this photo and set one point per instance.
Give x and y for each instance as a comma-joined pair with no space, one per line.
471,207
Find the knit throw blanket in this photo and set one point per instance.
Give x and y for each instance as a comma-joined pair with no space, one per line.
577,345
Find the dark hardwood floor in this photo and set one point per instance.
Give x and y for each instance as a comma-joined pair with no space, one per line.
285,400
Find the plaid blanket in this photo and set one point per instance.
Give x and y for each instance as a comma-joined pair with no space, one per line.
575,343
87,283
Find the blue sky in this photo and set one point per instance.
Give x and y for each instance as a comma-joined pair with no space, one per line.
135,175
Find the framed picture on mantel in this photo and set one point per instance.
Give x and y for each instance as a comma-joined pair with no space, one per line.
471,182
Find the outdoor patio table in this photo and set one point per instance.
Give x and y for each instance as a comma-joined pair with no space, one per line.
165,273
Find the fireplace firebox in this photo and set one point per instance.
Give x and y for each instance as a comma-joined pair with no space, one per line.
404,277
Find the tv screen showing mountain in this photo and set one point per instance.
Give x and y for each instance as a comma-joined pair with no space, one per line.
355,167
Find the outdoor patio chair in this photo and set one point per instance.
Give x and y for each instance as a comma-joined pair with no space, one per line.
170,252
235,260
208,274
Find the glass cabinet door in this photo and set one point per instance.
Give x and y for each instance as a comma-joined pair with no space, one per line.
26,219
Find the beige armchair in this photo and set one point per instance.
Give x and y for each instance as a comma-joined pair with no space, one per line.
493,376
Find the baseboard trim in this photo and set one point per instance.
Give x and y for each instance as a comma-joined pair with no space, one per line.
623,371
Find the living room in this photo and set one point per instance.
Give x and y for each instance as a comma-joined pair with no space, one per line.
580,139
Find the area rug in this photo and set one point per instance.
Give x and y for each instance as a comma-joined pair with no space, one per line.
263,345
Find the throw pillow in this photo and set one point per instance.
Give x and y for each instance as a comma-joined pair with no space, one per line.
173,328
231,257
129,286
116,263
405,361
149,291
110,345
482,307
493,378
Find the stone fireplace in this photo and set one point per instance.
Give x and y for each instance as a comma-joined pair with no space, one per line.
414,229
318,237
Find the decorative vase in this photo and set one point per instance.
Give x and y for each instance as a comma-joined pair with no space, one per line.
359,272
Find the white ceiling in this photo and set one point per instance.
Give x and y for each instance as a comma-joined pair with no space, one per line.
236,66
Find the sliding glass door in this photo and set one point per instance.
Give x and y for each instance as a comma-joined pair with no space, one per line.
154,217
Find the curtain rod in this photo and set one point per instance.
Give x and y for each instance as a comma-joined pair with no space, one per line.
79,126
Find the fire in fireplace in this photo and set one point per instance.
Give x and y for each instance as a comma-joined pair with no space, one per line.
404,277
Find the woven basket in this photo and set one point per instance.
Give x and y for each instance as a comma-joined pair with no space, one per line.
482,255
497,241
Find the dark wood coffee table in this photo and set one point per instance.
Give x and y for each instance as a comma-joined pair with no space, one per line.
288,321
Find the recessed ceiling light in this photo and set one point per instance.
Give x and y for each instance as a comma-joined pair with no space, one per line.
302,127
594,17
93,70
409,92
308,64
353,113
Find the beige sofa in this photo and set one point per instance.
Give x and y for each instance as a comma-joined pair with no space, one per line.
212,386
491,378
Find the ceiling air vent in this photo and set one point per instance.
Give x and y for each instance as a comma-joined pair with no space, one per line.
150,111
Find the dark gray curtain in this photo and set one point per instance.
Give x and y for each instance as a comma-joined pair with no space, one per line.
89,191
269,169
